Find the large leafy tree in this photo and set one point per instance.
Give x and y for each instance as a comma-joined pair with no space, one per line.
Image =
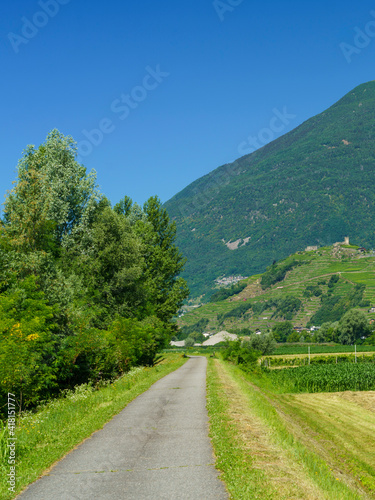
54,197
353,326
85,290
163,261
109,263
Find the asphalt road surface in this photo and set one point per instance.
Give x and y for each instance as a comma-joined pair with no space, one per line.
156,448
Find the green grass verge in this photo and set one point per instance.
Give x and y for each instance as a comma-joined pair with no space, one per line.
234,461
45,436
243,481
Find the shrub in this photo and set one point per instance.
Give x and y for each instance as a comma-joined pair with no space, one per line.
240,353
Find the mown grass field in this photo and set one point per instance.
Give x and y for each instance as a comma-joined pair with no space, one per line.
273,445
45,436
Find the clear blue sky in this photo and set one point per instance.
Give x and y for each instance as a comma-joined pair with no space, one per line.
222,69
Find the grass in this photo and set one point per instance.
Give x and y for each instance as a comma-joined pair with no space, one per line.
345,422
271,446
45,436
242,478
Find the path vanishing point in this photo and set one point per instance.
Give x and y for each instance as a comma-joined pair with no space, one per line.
156,448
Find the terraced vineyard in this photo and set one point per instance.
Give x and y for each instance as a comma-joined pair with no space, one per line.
315,269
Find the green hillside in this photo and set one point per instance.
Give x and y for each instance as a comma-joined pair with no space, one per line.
320,286
313,186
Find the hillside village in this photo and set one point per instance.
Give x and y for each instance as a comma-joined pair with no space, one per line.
334,272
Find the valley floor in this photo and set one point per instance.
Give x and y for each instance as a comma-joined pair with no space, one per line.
290,446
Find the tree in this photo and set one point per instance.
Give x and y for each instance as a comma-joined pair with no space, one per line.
264,343
282,330
54,197
86,291
124,206
240,353
109,261
163,262
293,337
352,326
326,333
189,342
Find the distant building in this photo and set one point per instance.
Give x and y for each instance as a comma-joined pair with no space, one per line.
345,242
311,249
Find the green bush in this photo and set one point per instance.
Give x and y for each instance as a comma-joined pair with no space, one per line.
240,353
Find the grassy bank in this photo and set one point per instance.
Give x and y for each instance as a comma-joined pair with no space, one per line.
47,435
279,446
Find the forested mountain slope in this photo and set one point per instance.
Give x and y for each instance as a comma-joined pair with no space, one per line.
313,186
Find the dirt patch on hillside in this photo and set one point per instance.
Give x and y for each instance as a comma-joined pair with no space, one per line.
251,291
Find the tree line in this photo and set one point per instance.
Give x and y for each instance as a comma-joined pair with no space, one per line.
87,289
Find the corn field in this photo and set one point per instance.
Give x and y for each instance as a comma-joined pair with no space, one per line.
325,378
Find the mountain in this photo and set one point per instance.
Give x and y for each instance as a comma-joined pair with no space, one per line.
307,288
312,186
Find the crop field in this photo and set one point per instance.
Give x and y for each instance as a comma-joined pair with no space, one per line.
325,378
273,362
320,349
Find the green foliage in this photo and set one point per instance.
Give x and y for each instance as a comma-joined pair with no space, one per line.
276,273
166,291
240,353
109,263
237,312
319,349
27,344
333,280
278,361
334,306
353,325
54,198
263,343
312,290
326,378
282,330
328,332
224,293
86,291
198,327
284,307
242,332
189,342
370,341
293,337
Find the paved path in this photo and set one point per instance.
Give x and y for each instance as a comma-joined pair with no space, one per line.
156,448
